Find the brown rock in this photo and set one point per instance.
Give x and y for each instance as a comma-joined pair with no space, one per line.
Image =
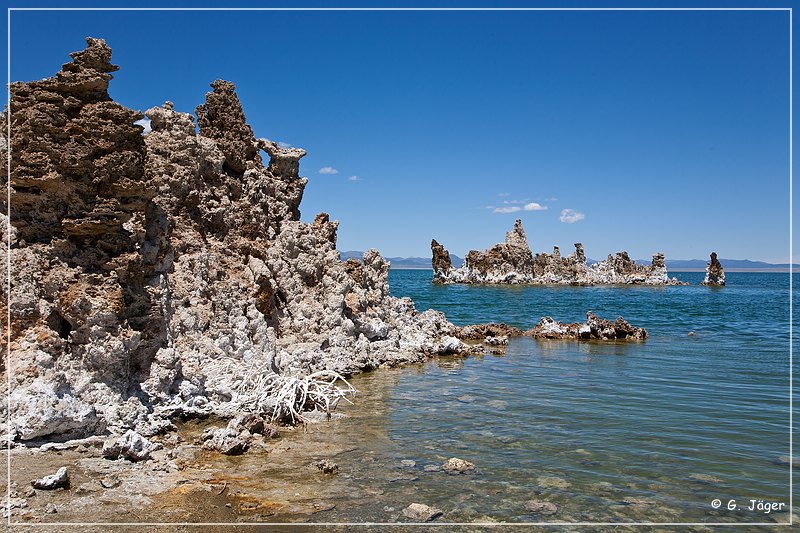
715,274
483,331
594,328
441,262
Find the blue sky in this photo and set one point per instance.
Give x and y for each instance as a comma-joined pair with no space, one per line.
643,131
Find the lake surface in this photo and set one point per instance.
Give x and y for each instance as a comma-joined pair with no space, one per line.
651,419
616,432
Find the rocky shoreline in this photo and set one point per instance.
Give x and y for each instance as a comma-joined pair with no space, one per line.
167,275
512,262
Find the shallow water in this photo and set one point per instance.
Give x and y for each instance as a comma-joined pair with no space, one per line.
612,433
649,431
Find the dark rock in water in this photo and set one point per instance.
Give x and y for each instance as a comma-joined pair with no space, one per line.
441,261
327,467
594,328
715,274
485,331
54,481
421,513
541,507
512,262
706,479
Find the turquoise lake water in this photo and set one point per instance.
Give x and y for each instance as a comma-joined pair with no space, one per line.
650,431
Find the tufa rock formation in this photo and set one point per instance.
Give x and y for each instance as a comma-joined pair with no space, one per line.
164,274
715,274
441,260
512,262
593,329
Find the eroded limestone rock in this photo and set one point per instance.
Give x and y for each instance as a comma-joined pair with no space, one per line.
512,262
131,446
715,274
421,513
160,275
594,328
58,480
454,466
441,261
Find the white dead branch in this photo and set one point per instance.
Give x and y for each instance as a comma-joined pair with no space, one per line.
285,398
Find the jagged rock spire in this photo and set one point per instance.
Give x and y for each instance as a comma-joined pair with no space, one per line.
715,274
222,119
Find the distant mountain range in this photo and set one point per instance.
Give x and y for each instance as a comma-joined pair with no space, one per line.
404,262
730,265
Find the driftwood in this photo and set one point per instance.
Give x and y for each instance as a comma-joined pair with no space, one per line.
284,398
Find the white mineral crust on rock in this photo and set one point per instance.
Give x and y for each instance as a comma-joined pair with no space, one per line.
164,274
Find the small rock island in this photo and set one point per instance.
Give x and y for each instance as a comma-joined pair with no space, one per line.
512,262
715,274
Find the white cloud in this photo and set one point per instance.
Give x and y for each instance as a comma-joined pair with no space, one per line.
513,209
283,144
533,206
145,123
504,194
328,170
353,178
570,216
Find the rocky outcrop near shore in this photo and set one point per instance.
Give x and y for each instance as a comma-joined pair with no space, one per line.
495,336
594,328
512,262
167,274
715,274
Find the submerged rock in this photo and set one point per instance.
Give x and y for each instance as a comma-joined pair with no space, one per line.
553,482
421,513
484,332
594,328
54,481
541,507
168,274
512,262
715,274
327,467
454,465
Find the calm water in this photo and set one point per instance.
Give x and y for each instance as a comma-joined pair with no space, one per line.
647,418
635,432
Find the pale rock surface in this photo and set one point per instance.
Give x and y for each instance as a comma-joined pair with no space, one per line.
155,275
54,481
421,513
131,446
454,465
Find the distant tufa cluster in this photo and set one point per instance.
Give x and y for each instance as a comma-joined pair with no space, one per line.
511,262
